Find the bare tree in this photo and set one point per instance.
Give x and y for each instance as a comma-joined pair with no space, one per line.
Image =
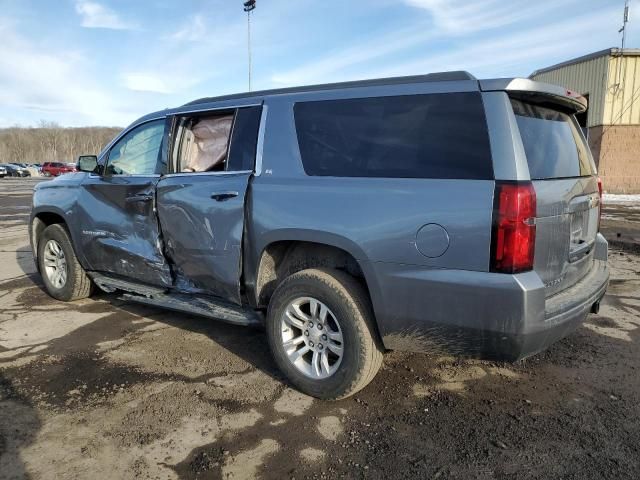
49,142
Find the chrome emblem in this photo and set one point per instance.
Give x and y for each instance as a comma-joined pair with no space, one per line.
555,282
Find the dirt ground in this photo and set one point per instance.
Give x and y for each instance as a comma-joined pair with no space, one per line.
104,389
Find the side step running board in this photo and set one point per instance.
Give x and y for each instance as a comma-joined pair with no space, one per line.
198,305
111,284
201,305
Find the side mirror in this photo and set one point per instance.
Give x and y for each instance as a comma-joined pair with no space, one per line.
88,163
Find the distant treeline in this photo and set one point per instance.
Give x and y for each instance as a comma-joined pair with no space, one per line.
49,142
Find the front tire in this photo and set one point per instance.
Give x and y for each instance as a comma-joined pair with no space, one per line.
320,328
63,276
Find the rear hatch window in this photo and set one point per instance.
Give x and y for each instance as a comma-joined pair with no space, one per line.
553,142
563,175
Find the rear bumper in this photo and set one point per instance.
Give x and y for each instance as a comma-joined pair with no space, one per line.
480,314
563,313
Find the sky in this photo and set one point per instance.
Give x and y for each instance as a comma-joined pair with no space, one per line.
108,62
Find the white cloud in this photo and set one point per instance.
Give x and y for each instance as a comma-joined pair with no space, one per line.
193,30
146,82
511,32
463,17
198,53
505,52
562,39
95,15
53,85
324,68
211,53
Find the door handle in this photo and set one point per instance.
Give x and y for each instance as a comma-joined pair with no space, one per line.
222,196
139,198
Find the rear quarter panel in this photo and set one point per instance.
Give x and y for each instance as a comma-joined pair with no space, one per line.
375,219
380,217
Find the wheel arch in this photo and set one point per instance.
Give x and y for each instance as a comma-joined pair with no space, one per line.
41,219
289,254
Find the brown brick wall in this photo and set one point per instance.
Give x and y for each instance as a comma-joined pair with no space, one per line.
616,150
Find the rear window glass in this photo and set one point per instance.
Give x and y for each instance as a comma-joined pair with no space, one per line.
416,136
554,146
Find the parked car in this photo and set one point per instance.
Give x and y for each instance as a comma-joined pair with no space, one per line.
15,170
53,169
437,213
3,171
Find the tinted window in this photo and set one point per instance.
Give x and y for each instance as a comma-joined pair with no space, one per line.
417,136
138,152
552,142
244,139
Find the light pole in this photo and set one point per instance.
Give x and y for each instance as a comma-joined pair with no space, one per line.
249,6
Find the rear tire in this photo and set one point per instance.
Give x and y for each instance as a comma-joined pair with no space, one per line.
63,276
348,318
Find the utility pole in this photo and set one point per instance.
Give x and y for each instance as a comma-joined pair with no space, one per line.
249,6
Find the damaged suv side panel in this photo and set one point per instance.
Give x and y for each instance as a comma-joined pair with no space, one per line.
434,213
202,220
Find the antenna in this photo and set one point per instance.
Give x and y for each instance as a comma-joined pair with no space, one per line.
249,6
623,30
625,19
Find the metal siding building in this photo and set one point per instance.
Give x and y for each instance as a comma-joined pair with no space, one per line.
589,77
611,80
622,106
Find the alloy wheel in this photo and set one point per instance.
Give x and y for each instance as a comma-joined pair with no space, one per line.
55,264
312,338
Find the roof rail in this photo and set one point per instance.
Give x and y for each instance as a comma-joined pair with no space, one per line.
453,76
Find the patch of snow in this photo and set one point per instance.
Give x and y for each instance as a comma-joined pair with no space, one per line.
621,199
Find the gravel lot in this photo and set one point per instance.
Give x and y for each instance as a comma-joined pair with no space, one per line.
104,389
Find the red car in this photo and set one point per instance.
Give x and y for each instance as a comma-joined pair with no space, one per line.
53,169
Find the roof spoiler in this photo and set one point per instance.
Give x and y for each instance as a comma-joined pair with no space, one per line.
537,92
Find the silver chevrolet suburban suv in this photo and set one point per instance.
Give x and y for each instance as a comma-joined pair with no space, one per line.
436,213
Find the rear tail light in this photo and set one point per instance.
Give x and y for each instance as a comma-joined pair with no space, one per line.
514,230
600,203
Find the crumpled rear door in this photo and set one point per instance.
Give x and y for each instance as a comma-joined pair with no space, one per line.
202,221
